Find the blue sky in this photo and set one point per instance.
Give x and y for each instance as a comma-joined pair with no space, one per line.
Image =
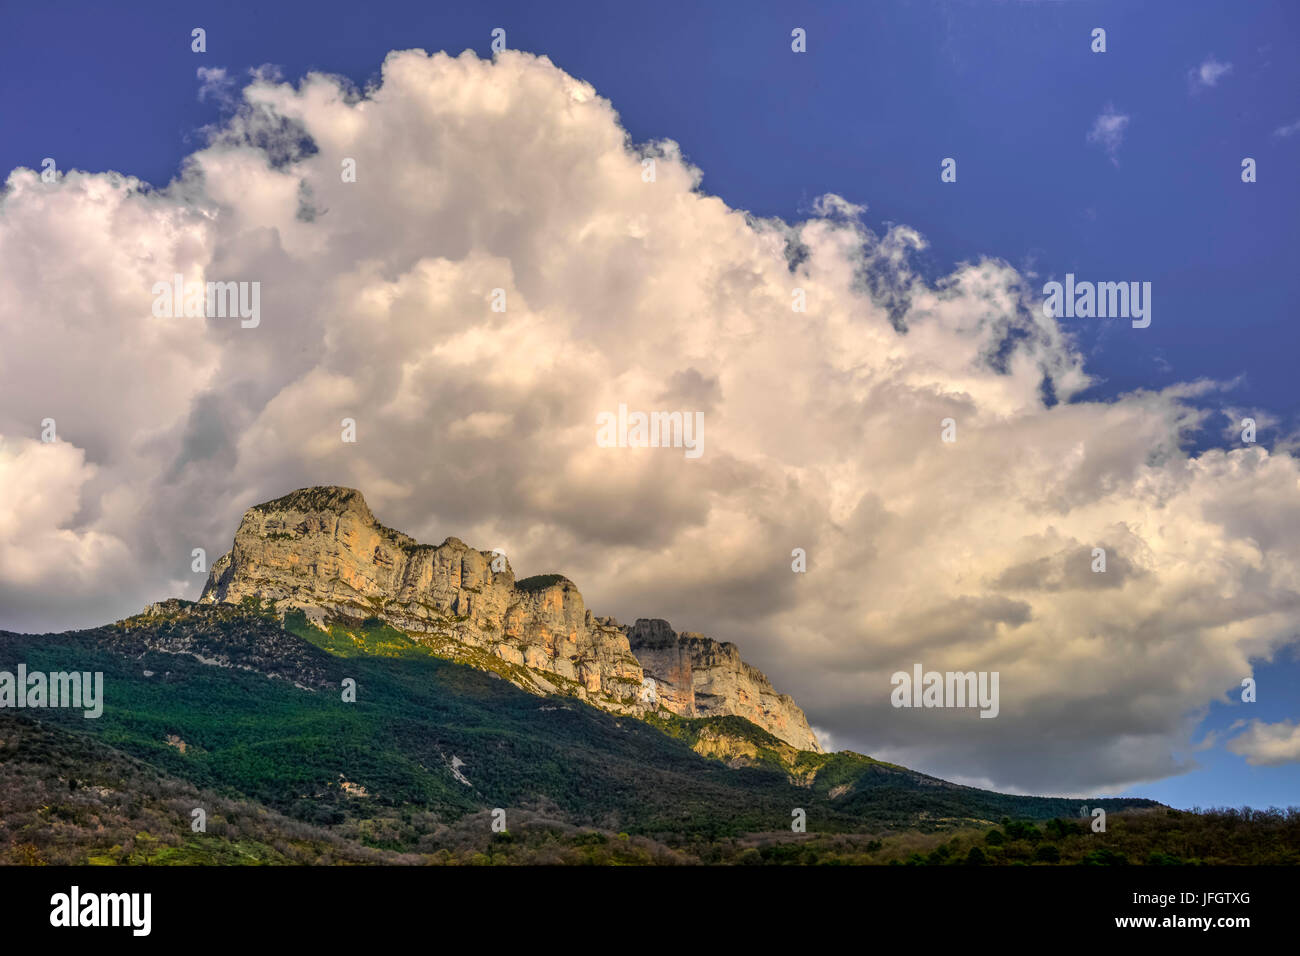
886,90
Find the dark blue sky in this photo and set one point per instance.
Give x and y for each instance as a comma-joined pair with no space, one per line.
886,90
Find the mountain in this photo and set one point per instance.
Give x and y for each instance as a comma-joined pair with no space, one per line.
341,691
322,552
234,699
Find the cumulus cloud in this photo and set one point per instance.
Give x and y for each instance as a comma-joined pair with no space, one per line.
42,483
822,427
831,206
216,84
1268,744
1208,73
1236,422
1108,131
1287,130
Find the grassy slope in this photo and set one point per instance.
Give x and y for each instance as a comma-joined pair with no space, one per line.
292,749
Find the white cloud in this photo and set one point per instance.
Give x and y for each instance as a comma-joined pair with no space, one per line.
825,739
1108,131
831,206
1234,417
217,84
1208,73
44,554
822,429
1287,130
1268,744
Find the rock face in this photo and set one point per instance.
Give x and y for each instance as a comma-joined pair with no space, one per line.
699,677
321,550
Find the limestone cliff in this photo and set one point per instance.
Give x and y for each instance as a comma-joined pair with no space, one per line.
322,551
697,676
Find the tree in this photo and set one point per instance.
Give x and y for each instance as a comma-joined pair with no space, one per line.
26,854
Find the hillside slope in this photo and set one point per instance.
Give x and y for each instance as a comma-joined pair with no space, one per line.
258,706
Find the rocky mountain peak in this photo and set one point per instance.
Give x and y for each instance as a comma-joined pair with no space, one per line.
701,677
331,498
322,551
652,633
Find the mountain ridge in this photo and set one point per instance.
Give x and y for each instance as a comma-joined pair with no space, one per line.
236,698
433,730
320,550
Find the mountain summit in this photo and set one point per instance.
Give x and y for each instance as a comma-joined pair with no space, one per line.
320,551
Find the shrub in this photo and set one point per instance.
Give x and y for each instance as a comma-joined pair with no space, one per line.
539,582
1021,830
1163,859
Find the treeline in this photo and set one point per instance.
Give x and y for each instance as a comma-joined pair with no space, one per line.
1155,837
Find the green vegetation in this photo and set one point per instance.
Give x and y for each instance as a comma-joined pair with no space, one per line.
371,638
291,772
1158,836
66,798
540,582
310,499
